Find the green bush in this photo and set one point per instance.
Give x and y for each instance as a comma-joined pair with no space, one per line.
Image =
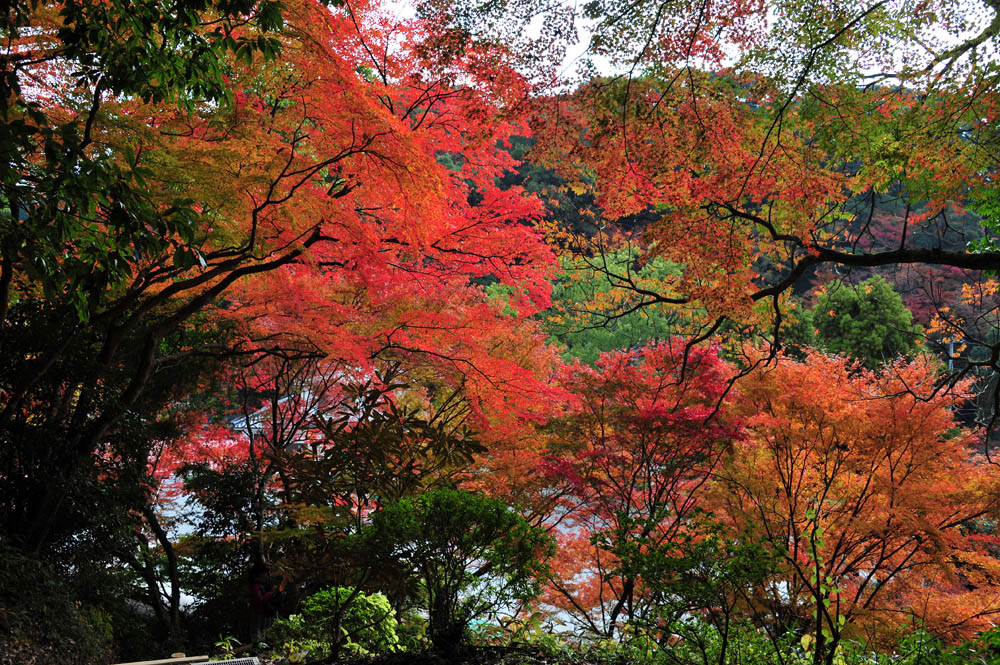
337,620
467,554
41,623
867,322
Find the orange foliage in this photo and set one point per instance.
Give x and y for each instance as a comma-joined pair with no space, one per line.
329,218
869,493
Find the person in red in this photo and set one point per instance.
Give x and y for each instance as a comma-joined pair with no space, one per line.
263,600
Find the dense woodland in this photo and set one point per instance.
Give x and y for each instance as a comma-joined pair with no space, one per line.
663,332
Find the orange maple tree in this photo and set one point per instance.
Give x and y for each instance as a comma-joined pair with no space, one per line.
869,494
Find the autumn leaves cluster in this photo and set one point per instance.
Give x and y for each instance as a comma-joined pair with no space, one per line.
253,296
872,506
812,496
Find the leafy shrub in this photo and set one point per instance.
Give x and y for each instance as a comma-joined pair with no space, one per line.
412,630
336,620
40,621
470,555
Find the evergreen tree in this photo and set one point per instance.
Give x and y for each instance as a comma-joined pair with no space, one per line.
867,322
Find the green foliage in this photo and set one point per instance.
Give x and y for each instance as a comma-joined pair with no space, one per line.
296,640
411,630
468,554
213,562
226,494
337,620
80,217
796,333
694,585
365,619
378,447
41,622
867,322
702,643
595,307
227,647
381,449
98,495
920,647
75,506
987,205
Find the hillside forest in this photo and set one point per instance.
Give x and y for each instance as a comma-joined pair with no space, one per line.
500,331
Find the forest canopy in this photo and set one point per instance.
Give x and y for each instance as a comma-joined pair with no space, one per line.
656,332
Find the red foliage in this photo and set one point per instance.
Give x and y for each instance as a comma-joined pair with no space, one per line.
630,462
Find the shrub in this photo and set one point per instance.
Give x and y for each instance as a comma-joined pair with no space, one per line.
469,554
41,622
336,620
